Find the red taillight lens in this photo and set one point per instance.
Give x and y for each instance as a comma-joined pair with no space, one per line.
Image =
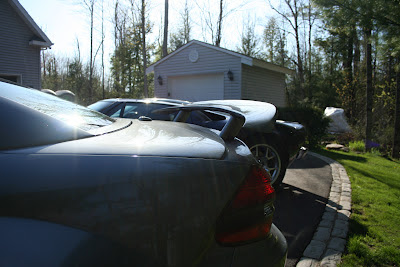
256,189
249,216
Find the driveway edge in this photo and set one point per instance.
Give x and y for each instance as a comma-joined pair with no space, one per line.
329,240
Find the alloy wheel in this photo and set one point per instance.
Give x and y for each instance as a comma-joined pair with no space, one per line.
269,158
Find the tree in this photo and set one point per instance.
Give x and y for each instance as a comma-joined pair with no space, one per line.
396,133
219,24
90,5
270,39
102,49
369,89
293,18
165,42
249,40
274,40
378,24
129,61
183,35
213,18
144,52
121,61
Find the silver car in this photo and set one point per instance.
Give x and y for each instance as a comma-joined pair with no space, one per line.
79,188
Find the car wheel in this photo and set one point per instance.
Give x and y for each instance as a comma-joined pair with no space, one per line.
273,161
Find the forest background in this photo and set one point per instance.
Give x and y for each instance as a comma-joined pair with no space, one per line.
346,54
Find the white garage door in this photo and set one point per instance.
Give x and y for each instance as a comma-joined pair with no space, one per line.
197,87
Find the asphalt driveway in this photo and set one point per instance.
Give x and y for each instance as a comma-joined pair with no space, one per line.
300,203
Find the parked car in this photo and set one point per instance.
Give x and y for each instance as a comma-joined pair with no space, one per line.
273,142
79,188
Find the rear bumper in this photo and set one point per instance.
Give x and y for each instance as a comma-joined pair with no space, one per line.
271,251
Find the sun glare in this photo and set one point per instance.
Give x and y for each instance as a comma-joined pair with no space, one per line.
73,119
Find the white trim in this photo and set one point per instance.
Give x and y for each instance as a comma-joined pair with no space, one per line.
247,61
18,76
31,24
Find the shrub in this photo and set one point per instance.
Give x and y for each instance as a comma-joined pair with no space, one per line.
311,118
357,146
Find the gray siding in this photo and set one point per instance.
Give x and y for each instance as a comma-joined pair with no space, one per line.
263,85
17,57
209,61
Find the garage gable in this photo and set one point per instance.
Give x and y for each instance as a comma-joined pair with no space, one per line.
197,70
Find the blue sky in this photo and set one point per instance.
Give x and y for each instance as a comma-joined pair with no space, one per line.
64,21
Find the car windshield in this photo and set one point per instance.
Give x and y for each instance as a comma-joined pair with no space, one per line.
68,112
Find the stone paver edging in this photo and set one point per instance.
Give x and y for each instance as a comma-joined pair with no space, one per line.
329,240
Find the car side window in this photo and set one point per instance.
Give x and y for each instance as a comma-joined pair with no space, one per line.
115,112
135,110
157,116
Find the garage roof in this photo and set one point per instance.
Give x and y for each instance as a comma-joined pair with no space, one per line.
244,59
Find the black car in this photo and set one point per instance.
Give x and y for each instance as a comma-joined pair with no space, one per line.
273,142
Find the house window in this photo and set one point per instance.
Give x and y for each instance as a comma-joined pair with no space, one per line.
12,78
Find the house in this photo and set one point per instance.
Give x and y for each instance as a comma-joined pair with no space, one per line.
21,41
200,71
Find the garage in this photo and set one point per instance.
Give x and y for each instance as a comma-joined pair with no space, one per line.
199,71
197,87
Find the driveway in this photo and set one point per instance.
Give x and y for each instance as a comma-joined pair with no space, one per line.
300,203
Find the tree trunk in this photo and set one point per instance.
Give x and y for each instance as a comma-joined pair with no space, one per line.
91,53
218,37
165,42
369,91
44,63
349,75
299,61
102,49
396,134
145,86
309,51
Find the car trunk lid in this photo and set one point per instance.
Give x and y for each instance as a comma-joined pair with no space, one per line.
148,138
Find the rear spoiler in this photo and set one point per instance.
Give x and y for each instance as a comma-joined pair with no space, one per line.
260,116
231,128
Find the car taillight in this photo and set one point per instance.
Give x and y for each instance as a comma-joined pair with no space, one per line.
248,217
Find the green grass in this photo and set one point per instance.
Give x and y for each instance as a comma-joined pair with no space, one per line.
374,226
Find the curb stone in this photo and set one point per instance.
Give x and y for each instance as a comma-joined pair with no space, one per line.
329,240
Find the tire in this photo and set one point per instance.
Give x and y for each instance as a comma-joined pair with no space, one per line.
272,158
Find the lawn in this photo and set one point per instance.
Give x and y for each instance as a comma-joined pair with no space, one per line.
374,229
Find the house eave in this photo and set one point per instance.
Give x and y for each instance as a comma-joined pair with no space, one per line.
272,67
40,43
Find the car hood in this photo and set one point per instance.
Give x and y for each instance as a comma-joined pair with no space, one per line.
146,138
259,115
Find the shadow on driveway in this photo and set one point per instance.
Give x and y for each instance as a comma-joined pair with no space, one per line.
300,203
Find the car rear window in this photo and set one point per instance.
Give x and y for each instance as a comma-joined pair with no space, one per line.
68,112
100,105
